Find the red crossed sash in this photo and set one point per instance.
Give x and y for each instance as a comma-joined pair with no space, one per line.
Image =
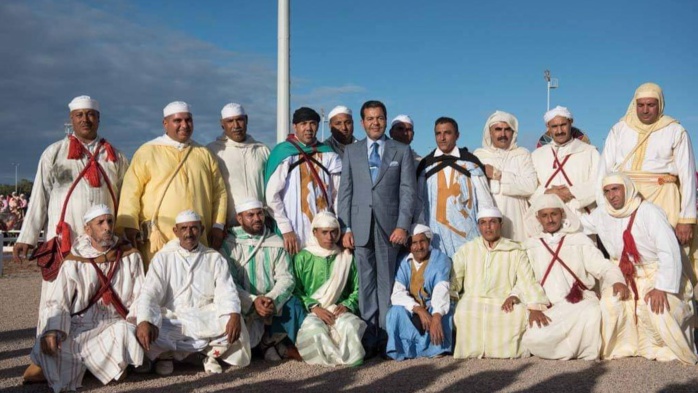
627,267
106,291
559,168
576,293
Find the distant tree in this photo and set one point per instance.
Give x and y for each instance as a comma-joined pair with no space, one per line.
24,186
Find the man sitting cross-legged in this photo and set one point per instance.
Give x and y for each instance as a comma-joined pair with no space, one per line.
189,304
328,285
420,321
567,264
492,276
88,324
261,269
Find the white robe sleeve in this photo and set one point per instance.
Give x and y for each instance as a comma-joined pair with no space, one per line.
137,277
585,192
37,210
521,183
59,300
153,292
274,197
225,294
440,298
654,221
686,164
601,268
401,297
482,190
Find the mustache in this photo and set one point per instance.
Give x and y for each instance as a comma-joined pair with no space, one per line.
502,139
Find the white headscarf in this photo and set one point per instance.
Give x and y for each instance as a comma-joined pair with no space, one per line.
570,223
500,117
632,197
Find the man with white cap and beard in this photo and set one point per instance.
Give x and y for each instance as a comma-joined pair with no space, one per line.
655,321
567,264
89,326
85,160
342,129
497,293
261,269
566,167
241,159
452,187
189,304
169,174
327,283
510,170
302,179
402,130
420,320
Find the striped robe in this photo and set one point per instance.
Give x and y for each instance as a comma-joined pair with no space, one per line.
99,340
54,176
259,266
483,279
318,343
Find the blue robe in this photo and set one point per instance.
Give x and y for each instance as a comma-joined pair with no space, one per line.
450,211
404,340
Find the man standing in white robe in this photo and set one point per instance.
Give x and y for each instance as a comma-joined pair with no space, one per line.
85,330
656,153
60,166
566,167
567,264
302,179
655,322
241,159
510,170
189,304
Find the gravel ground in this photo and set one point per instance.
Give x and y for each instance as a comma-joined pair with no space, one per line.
19,291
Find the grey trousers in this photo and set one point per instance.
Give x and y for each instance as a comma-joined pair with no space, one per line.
375,263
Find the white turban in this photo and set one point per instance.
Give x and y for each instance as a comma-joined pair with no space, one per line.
570,223
557,111
489,212
94,212
401,119
187,216
232,109
325,219
419,228
248,203
175,107
83,102
338,110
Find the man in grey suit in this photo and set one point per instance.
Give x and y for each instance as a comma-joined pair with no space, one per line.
377,196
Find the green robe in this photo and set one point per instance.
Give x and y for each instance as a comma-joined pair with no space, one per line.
312,271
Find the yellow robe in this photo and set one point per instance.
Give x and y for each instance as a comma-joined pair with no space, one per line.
198,185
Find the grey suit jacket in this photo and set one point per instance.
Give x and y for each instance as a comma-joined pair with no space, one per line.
391,200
